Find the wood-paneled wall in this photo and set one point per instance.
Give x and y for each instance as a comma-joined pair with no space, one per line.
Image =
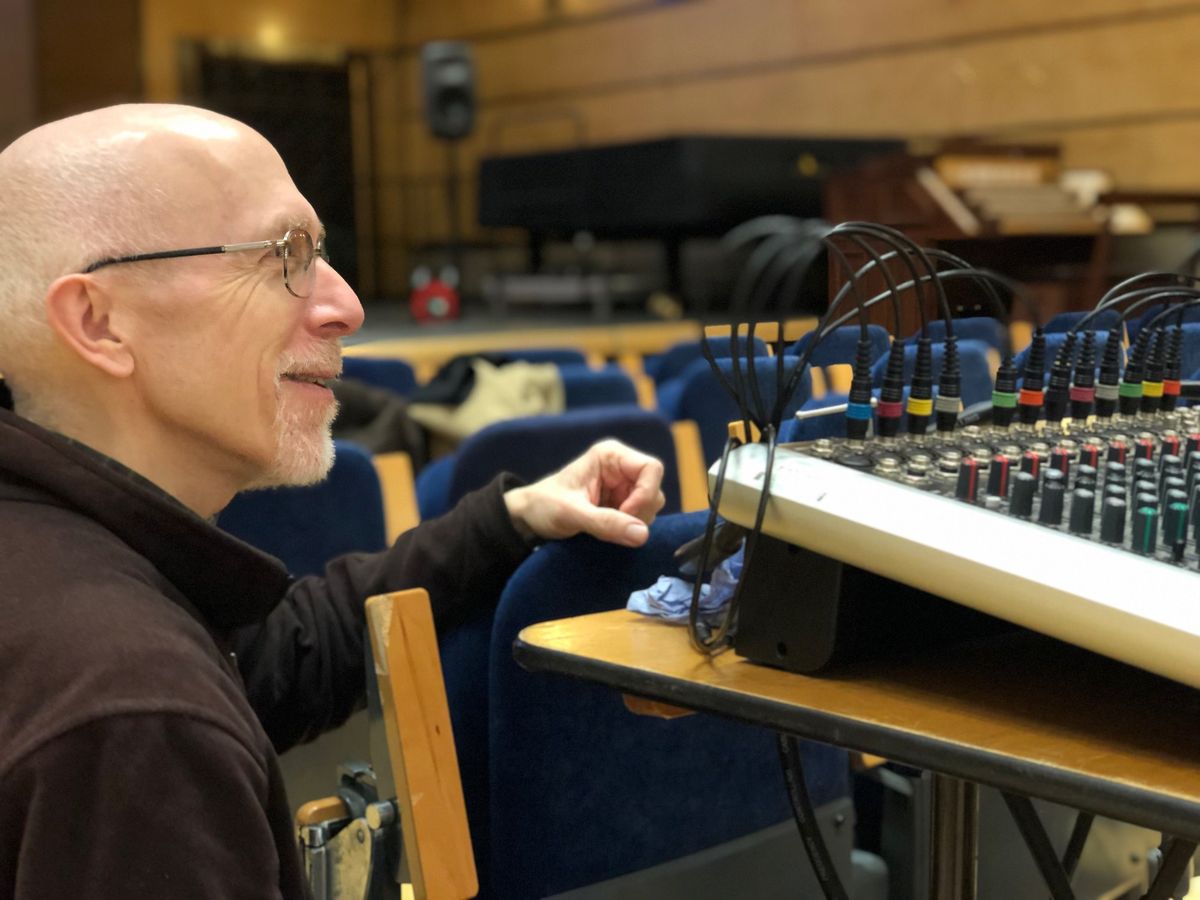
1116,82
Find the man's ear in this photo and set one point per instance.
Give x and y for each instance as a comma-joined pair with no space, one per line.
80,312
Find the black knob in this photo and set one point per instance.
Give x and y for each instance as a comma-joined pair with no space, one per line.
1024,486
967,487
1112,520
1144,487
1145,498
1114,490
1143,448
1117,451
1174,495
1085,477
1089,455
1175,525
1171,461
1193,444
1145,470
998,476
1174,484
1114,473
1083,506
1145,529
1053,491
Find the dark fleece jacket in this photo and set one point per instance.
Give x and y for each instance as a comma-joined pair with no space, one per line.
151,667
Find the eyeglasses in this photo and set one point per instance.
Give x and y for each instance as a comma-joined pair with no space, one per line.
295,248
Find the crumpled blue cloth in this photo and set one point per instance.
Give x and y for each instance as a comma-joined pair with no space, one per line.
670,598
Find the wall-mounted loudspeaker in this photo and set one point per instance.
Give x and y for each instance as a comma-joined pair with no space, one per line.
448,78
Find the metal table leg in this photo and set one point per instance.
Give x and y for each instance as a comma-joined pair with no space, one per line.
954,838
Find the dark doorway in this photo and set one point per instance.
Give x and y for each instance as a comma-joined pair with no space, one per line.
304,110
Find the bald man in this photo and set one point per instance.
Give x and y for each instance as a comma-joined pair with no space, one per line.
170,326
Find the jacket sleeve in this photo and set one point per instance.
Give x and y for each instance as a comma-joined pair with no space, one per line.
138,805
304,666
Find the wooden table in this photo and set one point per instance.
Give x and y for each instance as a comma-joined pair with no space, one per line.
1021,712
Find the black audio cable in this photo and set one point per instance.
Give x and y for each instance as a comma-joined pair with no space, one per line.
1083,381
1129,392
1173,375
1029,402
1109,381
1152,383
1058,387
806,819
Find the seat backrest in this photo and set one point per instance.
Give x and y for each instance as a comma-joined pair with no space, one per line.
1054,342
539,445
562,356
1189,356
703,400
393,374
584,386
308,526
675,360
840,346
973,364
972,328
1143,315
1065,321
580,789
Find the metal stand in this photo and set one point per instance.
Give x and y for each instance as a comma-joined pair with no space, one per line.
954,838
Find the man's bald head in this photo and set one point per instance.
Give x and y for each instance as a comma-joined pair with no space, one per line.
114,181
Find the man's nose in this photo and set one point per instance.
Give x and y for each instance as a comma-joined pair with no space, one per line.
333,309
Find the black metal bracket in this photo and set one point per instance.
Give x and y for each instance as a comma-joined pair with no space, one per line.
1053,871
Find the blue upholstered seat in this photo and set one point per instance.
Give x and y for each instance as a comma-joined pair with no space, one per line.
1054,341
1144,314
1065,321
564,786
702,398
308,526
538,445
674,361
973,328
973,362
584,386
840,346
560,356
393,374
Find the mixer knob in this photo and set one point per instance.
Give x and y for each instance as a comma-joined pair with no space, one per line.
998,476
1112,520
1145,530
1052,500
1024,486
1083,506
968,480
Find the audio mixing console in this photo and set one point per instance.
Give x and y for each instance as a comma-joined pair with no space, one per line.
1088,536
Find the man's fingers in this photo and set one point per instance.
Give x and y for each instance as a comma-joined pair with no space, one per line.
612,525
643,504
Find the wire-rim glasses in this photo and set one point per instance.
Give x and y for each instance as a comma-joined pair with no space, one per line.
295,248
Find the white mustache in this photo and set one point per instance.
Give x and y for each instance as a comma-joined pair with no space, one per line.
323,361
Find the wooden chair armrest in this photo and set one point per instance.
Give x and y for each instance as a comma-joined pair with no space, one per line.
396,480
689,461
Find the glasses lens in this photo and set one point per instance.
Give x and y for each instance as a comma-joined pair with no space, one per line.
298,271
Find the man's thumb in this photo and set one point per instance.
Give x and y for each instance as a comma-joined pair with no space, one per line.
615,526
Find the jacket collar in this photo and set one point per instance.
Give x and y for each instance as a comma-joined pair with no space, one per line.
229,582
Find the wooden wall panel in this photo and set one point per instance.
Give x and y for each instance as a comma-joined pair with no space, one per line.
264,29
1094,76
711,38
1108,79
